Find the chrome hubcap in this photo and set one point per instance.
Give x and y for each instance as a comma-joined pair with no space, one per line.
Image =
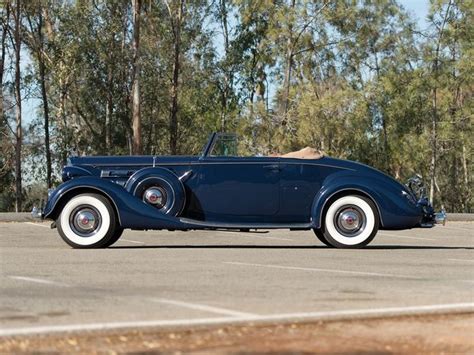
350,221
155,196
85,221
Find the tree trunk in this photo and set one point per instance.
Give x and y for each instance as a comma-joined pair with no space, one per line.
108,111
44,97
466,179
434,119
380,109
137,146
2,59
19,132
61,116
227,76
175,85
287,79
288,69
434,144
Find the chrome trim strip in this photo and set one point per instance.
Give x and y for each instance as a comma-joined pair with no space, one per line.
243,226
203,162
185,176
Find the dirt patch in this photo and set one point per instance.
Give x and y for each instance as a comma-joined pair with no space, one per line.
431,334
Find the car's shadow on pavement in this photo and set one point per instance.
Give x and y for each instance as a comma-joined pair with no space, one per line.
370,247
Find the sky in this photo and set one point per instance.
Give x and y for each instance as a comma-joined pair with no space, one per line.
417,8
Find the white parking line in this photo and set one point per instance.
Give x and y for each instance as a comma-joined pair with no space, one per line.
349,272
205,308
459,228
37,224
130,241
284,317
39,281
383,234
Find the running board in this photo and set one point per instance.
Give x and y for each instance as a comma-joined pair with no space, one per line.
218,225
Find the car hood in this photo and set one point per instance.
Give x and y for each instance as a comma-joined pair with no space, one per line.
139,160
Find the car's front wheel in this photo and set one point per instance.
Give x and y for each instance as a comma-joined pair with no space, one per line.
88,221
350,221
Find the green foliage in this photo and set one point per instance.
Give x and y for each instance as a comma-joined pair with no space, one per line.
356,79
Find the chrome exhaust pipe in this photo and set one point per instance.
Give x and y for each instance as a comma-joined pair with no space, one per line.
36,212
440,217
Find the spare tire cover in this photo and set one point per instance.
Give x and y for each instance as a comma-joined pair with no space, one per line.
145,178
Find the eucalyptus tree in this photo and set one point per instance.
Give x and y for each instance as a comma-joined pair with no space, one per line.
36,16
6,156
228,62
177,11
5,22
16,43
136,116
449,77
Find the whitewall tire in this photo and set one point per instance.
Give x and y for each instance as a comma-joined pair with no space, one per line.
320,235
350,221
88,221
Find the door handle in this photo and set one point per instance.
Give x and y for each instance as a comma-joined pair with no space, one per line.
273,167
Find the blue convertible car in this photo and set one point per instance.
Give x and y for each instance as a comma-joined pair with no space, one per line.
345,203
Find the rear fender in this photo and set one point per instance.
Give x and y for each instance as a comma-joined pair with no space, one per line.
394,209
326,193
131,211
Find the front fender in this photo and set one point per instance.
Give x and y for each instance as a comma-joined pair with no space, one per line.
131,211
395,210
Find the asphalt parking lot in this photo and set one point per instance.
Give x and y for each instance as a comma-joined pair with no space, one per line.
196,278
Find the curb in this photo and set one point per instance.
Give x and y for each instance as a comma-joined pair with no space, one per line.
284,318
16,217
461,217
26,217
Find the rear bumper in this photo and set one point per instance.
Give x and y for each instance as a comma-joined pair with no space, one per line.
430,217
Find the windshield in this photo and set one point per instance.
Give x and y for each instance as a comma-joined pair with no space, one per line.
224,145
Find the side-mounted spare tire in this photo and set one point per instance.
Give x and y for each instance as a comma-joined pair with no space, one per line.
159,188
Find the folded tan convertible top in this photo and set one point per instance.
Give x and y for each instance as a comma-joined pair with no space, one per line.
305,153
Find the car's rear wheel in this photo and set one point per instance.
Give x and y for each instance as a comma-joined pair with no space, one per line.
88,221
320,235
350,221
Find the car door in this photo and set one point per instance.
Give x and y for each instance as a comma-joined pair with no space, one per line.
300,181
238,189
